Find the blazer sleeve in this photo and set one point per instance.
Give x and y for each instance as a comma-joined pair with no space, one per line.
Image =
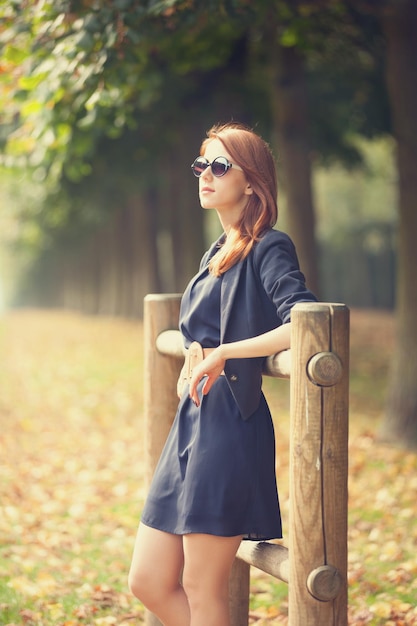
280,275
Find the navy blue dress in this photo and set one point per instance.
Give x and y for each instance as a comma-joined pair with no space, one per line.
216,474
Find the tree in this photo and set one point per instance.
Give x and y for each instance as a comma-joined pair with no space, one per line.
292,123
99,83
87,73
399,22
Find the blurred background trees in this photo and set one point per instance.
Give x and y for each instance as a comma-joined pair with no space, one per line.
105,103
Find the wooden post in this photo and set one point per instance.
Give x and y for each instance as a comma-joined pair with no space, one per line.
271,558
239,588
161,313
318,465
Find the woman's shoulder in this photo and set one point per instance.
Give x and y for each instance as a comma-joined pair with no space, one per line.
275,250
274,238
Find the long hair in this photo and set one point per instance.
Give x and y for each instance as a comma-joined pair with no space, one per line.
253,155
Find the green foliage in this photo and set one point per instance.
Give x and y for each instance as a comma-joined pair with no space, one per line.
96,95
94,70
86,70
74,82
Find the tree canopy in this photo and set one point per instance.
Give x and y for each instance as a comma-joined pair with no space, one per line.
97,97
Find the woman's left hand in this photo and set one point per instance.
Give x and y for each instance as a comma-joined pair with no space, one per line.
211,367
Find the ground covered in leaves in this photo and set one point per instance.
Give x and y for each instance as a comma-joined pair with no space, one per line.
71,477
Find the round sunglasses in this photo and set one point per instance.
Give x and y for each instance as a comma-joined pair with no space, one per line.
219,166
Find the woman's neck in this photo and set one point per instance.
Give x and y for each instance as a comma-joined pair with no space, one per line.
228,223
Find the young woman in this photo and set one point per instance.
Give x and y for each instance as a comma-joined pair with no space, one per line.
215,481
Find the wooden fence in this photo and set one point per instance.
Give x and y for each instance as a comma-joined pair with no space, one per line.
315,563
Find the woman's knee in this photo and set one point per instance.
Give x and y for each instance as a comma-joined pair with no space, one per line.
202,591
156,566
208,562
141,584
198,593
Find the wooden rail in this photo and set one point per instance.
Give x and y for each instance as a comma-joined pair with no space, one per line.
315,563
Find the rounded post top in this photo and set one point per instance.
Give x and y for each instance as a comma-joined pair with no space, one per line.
161,297
312,307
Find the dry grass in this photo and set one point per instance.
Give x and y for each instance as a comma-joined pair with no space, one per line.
71,470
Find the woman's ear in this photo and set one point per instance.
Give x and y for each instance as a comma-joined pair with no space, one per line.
248,189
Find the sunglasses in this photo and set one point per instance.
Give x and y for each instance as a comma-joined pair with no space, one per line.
219,166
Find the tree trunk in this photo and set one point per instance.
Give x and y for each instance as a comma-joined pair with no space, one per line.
114,268
400,28
185,217
290,115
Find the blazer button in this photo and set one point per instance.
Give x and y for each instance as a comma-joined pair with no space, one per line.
233,378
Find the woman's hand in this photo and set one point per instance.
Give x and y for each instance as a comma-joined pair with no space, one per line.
211,367
268,343
181,382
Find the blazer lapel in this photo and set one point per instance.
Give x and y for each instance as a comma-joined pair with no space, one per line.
230,284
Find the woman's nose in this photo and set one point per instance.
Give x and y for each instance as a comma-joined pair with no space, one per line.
207,173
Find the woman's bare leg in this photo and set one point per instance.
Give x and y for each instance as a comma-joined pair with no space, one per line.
155,573
208,562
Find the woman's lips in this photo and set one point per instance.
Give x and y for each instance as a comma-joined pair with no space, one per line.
206,190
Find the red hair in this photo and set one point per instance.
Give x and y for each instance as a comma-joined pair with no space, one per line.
253,155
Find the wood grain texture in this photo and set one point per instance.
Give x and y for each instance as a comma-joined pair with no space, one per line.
318,464
161,373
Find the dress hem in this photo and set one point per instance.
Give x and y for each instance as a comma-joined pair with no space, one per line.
245,535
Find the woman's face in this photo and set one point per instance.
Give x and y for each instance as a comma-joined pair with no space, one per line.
227,194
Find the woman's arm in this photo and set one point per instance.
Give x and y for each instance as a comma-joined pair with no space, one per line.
263,345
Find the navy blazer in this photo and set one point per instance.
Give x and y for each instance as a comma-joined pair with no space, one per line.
257,295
